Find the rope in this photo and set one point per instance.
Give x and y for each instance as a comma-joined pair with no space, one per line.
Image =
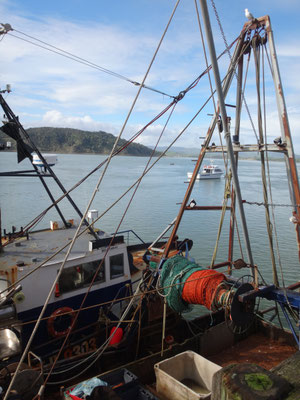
224,206
262,203
101,178
229,54
163,334
256,51
176,272
77,231
80,60
292,312
179,97
201,286
121,197
210,85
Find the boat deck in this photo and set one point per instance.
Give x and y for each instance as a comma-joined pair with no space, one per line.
257,349
42,244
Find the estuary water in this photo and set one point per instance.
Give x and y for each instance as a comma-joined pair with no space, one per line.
157,202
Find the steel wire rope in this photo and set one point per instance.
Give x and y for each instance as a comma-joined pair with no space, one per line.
229,54
257,56
210,82
116,300
292,311
151,166
226,45
233,210
116,230
128,205
176,99
99,350
82,220
216,113
261,203
220,137
268,58
124,193
131,140
83,61
88,207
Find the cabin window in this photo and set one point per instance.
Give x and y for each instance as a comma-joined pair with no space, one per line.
116,266
73,278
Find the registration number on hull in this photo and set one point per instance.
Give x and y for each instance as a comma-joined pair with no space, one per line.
78,349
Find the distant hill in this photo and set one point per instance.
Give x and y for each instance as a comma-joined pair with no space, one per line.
67,140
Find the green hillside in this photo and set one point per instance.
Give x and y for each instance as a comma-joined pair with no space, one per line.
67,140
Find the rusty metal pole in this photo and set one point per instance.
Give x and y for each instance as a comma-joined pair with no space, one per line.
285,133
215,67
236,154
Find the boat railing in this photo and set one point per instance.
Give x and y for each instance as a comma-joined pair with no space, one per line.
130,231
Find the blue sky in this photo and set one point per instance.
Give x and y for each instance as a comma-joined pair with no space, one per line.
49,90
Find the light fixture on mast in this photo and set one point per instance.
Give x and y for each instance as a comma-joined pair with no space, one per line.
7,89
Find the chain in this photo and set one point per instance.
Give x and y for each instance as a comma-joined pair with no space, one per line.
256,203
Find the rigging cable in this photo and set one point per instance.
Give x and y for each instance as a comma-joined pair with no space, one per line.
290,308
81,222
83,61
97,189
137,294
110,244
122,195
176,99
256,51
227,195
228,179
210,82
150,167
229,54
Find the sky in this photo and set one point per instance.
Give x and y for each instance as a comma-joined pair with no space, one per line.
122,36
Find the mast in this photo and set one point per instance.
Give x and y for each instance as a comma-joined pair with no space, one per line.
222,107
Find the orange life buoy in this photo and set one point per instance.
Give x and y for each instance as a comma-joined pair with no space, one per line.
50,323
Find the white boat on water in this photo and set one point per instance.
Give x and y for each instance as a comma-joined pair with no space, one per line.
211,171
51,159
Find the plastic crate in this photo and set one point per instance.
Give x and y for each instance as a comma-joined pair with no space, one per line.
186,376
119,378
135,391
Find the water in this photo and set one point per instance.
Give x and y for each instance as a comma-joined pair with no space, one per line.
156,204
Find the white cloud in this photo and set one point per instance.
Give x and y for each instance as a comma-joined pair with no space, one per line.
55,91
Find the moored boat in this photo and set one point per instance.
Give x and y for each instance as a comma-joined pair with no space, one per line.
209,171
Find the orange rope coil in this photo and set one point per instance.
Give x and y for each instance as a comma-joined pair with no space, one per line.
201,287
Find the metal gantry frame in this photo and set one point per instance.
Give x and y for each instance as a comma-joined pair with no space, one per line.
12,118
286,298
233,149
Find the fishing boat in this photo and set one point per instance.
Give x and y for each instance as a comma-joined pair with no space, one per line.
172,282
209,171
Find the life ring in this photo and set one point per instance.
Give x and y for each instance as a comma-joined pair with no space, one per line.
51,321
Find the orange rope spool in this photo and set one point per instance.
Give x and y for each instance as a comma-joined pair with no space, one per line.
201,286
